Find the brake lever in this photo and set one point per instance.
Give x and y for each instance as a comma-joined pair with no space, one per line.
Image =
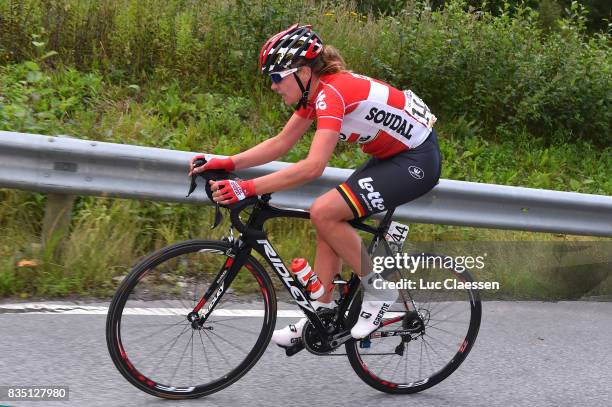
193,185
218,216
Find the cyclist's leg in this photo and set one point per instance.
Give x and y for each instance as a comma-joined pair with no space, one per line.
329,214
329,264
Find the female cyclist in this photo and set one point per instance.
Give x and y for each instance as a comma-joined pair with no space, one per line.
393,126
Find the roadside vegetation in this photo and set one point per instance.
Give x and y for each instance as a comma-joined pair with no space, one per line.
521,100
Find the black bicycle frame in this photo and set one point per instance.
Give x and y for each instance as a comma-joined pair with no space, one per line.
254,238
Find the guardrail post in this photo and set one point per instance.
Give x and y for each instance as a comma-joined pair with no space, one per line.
58,213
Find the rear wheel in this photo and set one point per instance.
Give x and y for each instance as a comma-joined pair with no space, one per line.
425,335
154,345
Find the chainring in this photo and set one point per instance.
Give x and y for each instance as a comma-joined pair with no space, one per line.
311,337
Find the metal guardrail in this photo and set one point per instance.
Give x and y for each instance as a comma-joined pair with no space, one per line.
83,167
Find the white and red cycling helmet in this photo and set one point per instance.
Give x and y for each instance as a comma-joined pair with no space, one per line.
285,47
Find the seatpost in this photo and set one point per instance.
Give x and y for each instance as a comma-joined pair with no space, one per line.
386,221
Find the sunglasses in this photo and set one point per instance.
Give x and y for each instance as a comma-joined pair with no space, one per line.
277,77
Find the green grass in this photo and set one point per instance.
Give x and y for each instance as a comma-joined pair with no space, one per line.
502,71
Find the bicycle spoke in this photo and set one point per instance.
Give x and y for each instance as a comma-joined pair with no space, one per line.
184,304
440,342
437,308
427,344
406,349
399,359
154,351
168,351
442,330
386,365
377,354
205,355
212,321
155,333
421,360
229,343
217,349
169,325
439,321
237,329
181,359
452,316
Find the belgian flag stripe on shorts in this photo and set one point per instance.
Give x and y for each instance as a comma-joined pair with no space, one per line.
352,200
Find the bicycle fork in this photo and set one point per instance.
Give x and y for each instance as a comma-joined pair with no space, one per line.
218,288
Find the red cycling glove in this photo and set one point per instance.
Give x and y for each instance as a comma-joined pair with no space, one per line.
220,164
226,164
234,190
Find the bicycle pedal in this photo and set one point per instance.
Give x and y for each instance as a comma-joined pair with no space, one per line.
292,350
365,343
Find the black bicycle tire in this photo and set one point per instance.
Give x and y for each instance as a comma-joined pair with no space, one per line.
387,387
113,320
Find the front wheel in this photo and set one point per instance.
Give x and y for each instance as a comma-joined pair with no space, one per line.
154,345
425,335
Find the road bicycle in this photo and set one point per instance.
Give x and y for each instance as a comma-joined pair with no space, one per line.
192,318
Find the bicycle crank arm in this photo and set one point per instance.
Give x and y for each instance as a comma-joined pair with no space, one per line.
340,339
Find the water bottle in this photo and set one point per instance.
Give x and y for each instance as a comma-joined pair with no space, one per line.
301,269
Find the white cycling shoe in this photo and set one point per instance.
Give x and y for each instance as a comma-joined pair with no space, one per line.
370,318
375,304
292,333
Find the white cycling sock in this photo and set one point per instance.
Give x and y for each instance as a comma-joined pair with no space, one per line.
377,291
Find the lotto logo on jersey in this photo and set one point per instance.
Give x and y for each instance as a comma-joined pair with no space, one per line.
372,197
320,102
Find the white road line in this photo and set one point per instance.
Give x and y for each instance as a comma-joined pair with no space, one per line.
42,308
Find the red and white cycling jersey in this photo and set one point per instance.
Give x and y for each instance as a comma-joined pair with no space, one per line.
383,119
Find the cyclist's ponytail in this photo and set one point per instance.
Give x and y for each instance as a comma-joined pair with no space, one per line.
329,61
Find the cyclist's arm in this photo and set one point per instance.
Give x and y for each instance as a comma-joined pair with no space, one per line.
306,170
274,147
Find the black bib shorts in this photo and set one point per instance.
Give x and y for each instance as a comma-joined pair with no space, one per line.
380,184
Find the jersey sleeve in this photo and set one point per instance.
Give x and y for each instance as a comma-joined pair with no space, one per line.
329,108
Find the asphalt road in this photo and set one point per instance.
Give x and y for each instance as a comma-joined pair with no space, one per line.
527,353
